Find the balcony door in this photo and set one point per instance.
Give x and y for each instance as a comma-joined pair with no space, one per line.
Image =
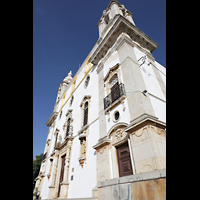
124,161
114,88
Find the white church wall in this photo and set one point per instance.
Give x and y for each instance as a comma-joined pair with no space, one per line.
78,187
44,193
111,61
162,71
81,174
152,86
159,108
124,116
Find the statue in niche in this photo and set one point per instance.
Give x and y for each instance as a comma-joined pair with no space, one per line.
83,147
60,139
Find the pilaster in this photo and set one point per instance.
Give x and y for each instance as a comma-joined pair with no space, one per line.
53,179
103,163
65,183
148,143
102,117
134,83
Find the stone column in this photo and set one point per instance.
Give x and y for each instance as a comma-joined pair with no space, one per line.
65,183
66,169
102,117
53,179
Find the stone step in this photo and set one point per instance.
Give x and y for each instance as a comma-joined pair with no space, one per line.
89,198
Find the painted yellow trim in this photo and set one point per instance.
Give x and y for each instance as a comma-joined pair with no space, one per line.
63,99
107,32
76,86
73,84
87,63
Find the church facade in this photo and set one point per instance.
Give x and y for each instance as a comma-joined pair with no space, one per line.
107,131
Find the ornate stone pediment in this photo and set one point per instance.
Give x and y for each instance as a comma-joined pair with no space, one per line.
85,98
68,115
118,136
111,70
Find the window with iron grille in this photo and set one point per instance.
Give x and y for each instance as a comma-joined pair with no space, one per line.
116,93
85,119
68,126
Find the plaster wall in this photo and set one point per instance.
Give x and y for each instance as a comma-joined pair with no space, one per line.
111,61
44,193
78,187
124,114
159,108
79,174
162,71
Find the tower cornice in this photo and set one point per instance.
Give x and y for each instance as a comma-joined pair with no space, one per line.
120,25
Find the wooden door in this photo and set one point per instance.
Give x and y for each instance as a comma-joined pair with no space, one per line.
61,173
124,161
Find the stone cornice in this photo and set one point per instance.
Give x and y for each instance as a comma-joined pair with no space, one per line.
120,25
101,143
123,37
52,118
144,118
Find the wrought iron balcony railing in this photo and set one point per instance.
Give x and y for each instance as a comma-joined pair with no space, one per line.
114,95
44,156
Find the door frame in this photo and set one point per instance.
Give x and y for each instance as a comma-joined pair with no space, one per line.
59,182
118,160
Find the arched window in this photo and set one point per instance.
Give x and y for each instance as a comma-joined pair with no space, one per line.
85,120
87,81
106,19
68,126
71,101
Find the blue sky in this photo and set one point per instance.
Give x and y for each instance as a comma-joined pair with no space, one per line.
64,32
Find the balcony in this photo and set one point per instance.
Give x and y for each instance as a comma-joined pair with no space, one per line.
44,156
114,97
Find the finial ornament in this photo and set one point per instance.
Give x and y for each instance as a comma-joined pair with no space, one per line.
70,74
68,78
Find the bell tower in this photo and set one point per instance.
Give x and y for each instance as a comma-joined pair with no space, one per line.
106,21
